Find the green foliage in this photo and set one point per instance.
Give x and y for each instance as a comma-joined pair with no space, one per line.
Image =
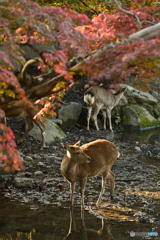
117,119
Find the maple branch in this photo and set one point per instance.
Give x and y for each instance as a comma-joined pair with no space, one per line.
129,13
147,33
27,66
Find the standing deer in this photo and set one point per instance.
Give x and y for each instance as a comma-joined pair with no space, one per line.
98,98
80,163
22,109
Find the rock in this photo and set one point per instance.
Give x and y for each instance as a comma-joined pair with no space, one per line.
138,117
47,180
38,173
52,132
23,182
137,149
133,94
29,158
41,164
122,103
70,114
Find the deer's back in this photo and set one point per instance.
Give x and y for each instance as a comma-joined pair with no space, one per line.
103,154
97,92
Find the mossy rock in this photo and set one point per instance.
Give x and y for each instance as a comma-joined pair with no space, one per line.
138,117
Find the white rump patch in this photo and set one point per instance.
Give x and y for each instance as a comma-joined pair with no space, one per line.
88,99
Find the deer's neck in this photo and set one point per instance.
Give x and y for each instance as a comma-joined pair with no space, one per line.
69,169
117,98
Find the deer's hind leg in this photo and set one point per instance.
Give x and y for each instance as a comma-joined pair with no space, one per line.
89,116
97,108
30,126
104,117
104,181
41,125
111,177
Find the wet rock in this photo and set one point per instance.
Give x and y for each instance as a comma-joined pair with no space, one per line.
23,182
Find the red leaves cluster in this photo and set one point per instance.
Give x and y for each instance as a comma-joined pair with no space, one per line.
9,158
73,35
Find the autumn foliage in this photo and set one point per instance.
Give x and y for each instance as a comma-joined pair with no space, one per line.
106,47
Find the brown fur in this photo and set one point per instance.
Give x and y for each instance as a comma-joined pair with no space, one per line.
80,163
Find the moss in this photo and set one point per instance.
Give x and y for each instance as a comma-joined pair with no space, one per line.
144,121
125,120
153,109
59,130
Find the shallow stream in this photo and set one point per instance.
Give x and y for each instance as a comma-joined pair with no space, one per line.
133,214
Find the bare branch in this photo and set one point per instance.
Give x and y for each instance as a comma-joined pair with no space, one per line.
147,33
88,7
27,66
129,13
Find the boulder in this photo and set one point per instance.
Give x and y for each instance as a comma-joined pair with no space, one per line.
52,132
138,117
138,96
70,114
122,103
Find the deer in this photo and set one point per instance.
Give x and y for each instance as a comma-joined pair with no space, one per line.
22,109
87,161
98,98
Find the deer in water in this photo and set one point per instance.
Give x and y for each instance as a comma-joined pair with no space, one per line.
83,233
80,163
98,98
22,109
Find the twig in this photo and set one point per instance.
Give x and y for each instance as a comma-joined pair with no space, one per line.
129,13
89,7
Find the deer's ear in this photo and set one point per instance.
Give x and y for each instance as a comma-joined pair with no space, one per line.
77,144
65,145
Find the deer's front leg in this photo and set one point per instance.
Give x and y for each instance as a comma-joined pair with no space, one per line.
82,189
72,187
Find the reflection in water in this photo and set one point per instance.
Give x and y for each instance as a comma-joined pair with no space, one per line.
84,234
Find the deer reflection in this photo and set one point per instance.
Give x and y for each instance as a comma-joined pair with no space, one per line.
87,234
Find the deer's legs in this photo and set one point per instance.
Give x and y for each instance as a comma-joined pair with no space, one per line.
30,126
104,117
109,118
89,116
82,189
96,111
72,187
104,181
111,177
41,125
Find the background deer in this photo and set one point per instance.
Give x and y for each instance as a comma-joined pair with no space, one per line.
80,163
22,109
98,98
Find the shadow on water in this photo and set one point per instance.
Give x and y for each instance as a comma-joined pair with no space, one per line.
34,221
